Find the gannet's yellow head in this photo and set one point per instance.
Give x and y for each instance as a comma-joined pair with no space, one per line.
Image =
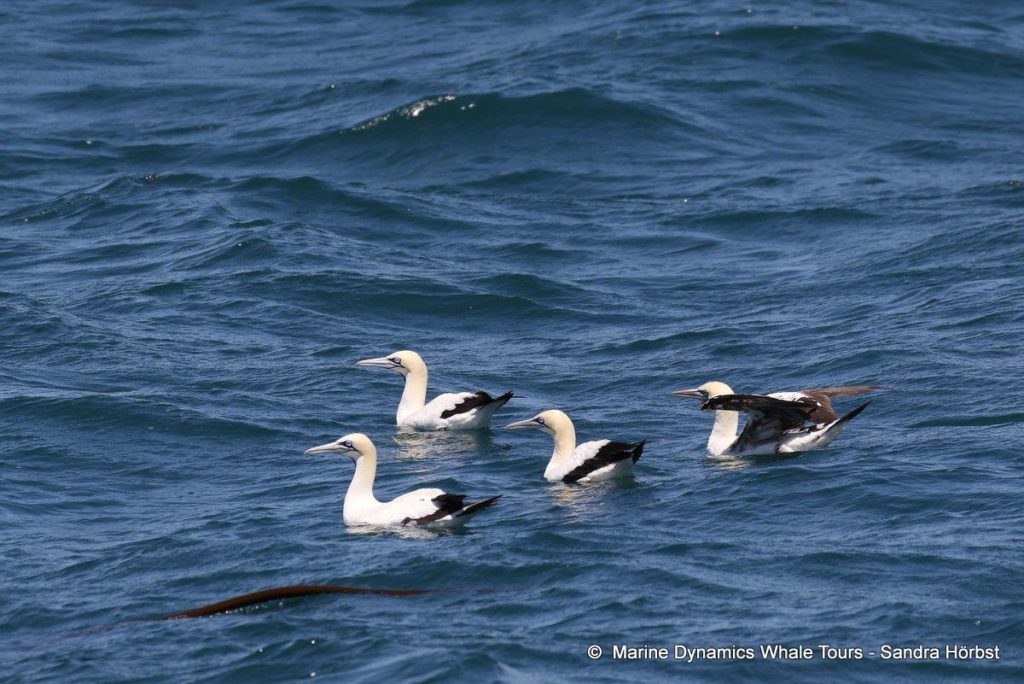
355,445
705,391
402,362
549,421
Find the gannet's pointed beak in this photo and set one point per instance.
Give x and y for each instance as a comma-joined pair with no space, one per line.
695,393
324,448
522,425
376,363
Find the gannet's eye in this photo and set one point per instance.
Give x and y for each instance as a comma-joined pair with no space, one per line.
347,444
704,393
540,420
395,360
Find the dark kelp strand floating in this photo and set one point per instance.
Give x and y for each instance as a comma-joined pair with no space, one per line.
288,592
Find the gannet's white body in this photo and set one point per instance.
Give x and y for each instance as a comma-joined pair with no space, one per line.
777,423
421,507
589,462
450,411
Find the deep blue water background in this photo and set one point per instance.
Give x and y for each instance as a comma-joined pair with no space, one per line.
210,211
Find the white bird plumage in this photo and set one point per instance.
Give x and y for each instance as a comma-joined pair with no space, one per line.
589,462
449,411
777,423
422,507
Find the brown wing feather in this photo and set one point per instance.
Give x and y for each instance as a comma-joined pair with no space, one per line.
823,395
850,391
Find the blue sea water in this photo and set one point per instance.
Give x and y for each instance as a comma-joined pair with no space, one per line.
210,211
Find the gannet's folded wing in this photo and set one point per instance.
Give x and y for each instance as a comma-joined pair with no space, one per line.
457,410
444,509
474,401
605,454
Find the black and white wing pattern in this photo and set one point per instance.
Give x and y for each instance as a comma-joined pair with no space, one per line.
474,401
457,411
767,418
605,455
449,508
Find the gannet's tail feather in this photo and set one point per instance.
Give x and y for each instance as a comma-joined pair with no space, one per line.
854,413
817,437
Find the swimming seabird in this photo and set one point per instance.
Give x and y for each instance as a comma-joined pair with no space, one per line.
450,411
588,462
421,507
777,423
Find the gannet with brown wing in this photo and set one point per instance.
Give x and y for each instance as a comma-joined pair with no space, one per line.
781,422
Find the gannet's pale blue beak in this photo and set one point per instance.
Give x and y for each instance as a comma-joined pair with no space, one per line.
528,424
376,363
695,393
330,447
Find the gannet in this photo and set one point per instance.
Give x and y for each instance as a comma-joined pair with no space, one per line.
777,423
588,462
421,507
450,411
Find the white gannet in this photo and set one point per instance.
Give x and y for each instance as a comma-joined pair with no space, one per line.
420,507
777,423
588,462
450,411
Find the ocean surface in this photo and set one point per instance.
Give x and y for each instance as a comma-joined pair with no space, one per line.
209,211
